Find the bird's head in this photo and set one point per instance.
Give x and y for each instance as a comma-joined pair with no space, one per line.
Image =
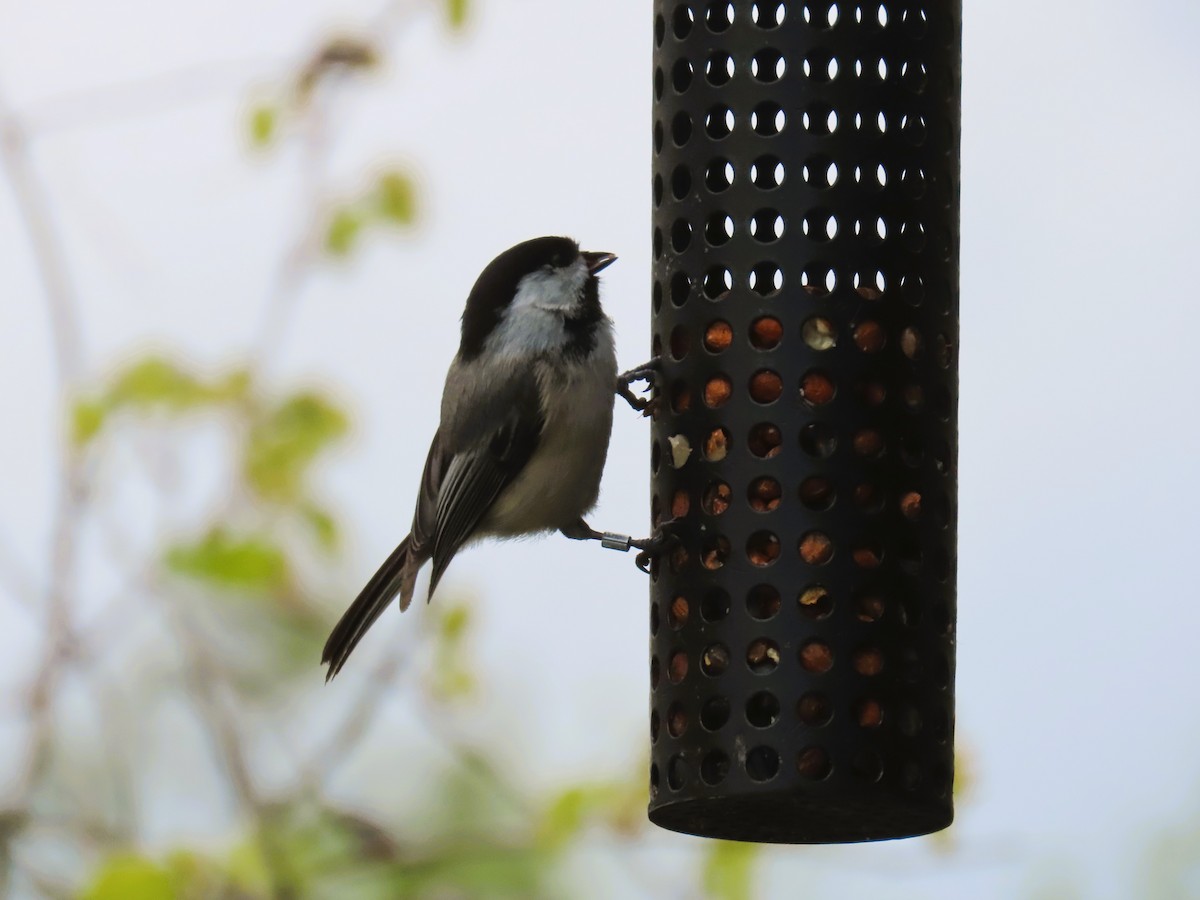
539,276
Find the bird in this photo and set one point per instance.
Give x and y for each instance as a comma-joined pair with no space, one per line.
526,416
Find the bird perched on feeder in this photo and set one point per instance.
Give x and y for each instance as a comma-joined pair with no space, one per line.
525,424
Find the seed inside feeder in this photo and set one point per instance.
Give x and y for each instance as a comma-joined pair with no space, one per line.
678,668
868,442
681,397
910,342
717,391
868,661
813,762
717,497
715,553
816,548
816,388
764,494
869,713
765,440
681,449
815,602
815,656
716,445
677,720
762,548
817,493
765,386
869,336
762,656
677,612
867,555
870,608
819,333
766,333
715,659
718,336
680,504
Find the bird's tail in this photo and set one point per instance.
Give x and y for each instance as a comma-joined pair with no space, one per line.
397,575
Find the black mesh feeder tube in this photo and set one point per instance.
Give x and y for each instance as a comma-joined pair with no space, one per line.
805,296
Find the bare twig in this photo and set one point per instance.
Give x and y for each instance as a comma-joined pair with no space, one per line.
297,262
296,265
163,92
33,204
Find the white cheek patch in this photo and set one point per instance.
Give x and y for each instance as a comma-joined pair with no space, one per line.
555,290
533,322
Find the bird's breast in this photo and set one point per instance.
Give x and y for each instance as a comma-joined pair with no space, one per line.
561,481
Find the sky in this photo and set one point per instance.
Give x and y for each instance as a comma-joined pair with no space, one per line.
1078,516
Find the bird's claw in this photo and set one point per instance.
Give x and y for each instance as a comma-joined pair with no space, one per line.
648,372
655,546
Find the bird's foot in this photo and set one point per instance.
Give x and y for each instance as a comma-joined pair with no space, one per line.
648,372
650,548
661,541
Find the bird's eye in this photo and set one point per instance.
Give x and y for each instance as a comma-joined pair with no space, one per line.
560,259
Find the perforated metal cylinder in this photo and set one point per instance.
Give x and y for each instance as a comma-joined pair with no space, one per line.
805,296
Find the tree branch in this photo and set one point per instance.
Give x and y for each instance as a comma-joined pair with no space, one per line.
33,205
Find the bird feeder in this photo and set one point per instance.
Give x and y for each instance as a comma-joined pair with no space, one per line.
805,310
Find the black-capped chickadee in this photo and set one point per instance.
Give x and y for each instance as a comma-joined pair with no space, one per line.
526,416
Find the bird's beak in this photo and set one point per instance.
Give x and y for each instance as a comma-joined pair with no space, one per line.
597,260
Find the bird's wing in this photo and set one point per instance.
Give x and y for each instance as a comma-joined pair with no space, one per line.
425,518
477,474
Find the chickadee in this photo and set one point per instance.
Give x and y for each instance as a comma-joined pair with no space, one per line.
526,418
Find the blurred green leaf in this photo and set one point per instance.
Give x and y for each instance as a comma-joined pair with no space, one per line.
396,195
194,876
129,877
564,817
156,382
282,445
264,121
616,804
323,525
729,870
451,678
453,683
87,418
234,385
344,228
251,563
477,870
454,622
247,871
456,12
